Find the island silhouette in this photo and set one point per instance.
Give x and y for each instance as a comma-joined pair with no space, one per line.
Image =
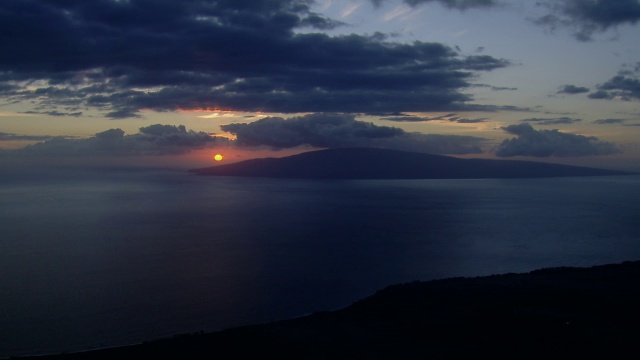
373,163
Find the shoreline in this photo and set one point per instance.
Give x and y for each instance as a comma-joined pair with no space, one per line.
551,312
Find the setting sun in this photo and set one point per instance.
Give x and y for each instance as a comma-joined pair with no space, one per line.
218,157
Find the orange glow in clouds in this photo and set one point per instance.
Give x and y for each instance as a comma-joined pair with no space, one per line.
218,157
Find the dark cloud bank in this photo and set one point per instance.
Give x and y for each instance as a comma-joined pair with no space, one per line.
124,56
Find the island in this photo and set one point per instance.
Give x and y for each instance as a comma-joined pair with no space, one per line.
372,163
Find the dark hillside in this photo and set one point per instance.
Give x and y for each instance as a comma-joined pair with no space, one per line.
559,313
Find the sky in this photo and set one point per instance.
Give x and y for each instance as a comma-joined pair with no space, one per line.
173,82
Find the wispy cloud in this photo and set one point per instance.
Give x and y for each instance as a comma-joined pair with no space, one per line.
10,137
457,4
552,121
396,12
447,117
54,113
350,10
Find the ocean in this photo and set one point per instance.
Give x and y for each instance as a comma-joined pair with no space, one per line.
93,258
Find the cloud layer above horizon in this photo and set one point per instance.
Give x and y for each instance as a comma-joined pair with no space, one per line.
314,130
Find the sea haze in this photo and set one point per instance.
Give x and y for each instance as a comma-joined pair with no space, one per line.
95,258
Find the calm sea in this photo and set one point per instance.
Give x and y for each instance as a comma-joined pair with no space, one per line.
97,258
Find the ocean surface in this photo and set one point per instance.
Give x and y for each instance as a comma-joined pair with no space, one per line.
94,258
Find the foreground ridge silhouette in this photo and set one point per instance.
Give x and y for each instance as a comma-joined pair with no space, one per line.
370,163
556,313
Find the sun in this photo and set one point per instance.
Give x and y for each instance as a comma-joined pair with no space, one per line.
218,157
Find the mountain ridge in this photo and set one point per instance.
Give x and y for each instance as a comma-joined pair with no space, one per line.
373,163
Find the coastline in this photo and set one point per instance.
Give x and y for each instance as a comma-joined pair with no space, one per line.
551,313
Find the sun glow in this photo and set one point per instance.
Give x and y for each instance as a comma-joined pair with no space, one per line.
218,157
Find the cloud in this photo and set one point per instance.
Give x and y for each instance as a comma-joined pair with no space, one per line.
447,117
552,121
151,140
503,88
123,113
495,88
546,143
343,130
9,136
399,117
120,57
609,121
408,118
619,87
587,17
469,121
451,4
601,94
55,113
572,89
319,130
